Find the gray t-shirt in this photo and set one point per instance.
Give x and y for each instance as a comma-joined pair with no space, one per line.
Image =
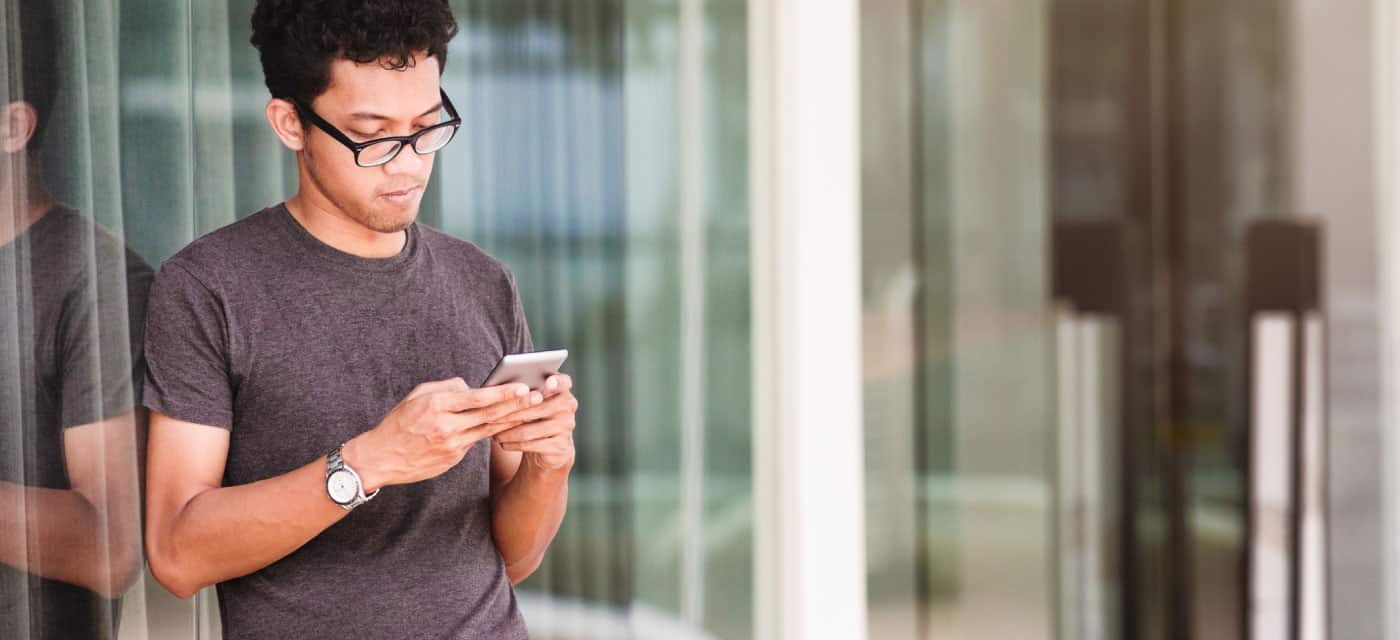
296,347
72,300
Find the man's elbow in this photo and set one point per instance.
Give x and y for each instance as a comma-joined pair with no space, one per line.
517,572
126,569
120,573
169,574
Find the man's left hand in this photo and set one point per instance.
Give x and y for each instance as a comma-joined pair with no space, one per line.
545,432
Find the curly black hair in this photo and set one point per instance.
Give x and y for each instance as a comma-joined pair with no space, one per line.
35,48
298,39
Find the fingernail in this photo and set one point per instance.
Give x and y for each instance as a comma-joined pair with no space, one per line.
521,390
553,382
536,398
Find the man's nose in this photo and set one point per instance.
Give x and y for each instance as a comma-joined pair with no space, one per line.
407,162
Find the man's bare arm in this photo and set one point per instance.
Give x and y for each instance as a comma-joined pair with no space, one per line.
530,465
528,512
199,533
89,535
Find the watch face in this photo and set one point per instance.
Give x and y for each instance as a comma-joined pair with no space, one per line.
342,487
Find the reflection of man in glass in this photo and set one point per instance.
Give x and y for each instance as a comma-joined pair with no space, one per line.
71,303
314,358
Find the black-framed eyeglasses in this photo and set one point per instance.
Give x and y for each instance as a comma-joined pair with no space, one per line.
382,151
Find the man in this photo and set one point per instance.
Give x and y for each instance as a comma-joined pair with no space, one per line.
316,450
72,302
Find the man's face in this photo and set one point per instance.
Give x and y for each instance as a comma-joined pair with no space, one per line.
366,101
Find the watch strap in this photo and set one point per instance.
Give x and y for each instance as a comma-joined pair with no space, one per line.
336,462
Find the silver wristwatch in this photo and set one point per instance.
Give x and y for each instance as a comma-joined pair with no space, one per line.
343,484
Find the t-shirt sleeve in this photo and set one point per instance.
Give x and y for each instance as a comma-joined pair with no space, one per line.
187,351
139,277
521,341
99,335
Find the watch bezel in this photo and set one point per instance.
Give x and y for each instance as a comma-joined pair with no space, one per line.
336,464
356,493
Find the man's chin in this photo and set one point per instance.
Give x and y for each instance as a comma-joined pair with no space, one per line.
392,219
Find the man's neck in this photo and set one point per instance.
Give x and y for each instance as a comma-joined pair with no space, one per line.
332,227
16,218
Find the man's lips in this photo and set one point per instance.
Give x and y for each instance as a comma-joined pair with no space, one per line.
402,193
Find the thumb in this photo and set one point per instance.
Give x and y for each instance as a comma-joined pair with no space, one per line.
450,384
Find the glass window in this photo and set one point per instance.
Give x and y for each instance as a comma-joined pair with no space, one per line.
1120,317
603,157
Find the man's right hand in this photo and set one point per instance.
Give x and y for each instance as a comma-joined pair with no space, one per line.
431,430
190,513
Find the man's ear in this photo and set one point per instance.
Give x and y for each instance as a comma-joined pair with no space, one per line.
286,123
18,122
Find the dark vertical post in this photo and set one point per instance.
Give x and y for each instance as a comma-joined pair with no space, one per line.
1090,276
1283,276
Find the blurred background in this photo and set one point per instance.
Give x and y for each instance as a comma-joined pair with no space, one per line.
1123,294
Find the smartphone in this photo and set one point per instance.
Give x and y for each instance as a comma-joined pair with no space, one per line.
530,368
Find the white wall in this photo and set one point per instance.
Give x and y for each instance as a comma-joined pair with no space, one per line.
810,542
1331,139
1386,119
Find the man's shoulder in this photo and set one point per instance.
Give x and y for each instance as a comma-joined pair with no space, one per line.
74,244
463,254
228,249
